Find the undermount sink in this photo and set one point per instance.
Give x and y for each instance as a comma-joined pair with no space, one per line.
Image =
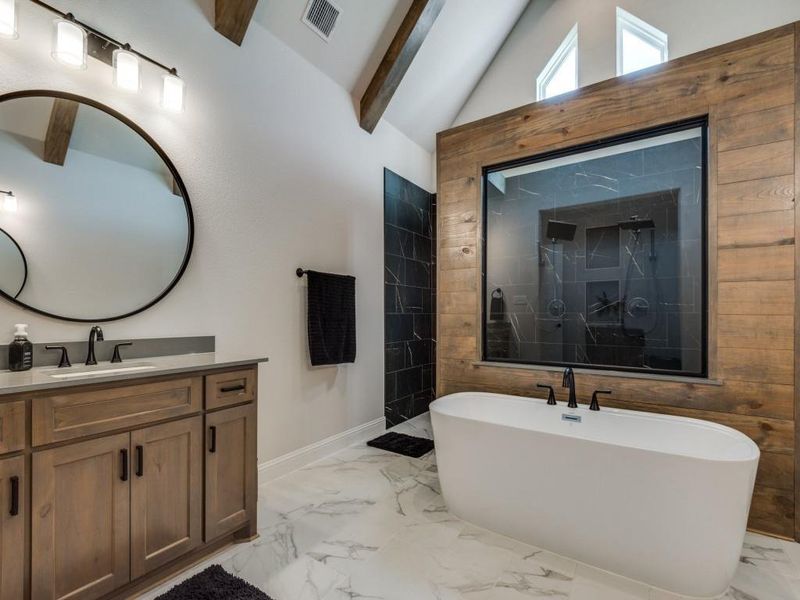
97,372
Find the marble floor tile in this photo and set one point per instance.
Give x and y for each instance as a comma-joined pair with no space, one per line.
365,524
594,584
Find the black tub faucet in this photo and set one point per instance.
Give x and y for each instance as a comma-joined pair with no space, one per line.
95,334
595,405
551,396
569,381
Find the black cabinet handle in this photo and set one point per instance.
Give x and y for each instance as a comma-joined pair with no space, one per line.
234,388
14,496
139,461
213,445
124,455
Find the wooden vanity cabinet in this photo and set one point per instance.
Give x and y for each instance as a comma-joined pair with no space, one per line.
13,514
111,511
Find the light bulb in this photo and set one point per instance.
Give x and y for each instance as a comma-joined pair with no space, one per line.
8,18
69,44
172,95
10,203
127,74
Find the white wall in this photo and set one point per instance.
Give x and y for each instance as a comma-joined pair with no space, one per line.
280,176
692,25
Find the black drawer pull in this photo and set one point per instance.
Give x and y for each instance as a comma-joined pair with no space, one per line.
234,388
14,496
124,455
139,461
213,446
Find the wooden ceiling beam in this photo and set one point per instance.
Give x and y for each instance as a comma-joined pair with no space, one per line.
59,130
232,17
404,47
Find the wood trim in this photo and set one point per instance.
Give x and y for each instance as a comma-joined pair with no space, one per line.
401,52
59,130
232,18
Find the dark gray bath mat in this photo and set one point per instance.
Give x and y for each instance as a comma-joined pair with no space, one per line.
400,443
214,583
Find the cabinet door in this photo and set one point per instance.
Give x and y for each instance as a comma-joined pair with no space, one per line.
12,527
80,536
166,493
230,470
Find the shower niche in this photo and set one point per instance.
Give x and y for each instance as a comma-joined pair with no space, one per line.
596,256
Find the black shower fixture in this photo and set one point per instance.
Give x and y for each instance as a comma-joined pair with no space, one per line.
561,230
637,224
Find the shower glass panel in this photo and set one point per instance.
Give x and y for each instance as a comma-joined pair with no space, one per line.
596,256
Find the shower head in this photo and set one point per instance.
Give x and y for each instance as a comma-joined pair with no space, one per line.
560,230
637,224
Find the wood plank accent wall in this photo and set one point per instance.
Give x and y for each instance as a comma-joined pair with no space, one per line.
748,90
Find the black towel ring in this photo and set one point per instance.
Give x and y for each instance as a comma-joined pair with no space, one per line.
499,293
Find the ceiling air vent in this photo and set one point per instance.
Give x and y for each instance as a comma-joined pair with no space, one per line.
321,16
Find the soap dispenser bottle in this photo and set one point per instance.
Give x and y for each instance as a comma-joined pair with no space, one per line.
20,351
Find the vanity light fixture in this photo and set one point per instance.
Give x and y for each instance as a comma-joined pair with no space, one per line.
69,43
127,74
74,40
10,203
8,19
172,94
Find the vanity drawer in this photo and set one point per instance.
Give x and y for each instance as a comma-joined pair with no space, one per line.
231,387
77,414
12,426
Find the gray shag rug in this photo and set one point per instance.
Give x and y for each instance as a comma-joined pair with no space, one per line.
214,583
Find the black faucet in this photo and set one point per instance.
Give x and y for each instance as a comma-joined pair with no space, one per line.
569,381
595,405
94,334
551,397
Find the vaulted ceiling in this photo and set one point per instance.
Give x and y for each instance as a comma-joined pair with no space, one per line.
457,50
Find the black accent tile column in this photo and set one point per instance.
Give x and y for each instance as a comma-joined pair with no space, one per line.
410,298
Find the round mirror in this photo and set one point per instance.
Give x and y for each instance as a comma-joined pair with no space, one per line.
13,267
100,210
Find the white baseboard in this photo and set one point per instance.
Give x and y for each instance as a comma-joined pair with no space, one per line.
277,467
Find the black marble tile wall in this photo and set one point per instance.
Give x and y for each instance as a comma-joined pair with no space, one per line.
409,298
600,294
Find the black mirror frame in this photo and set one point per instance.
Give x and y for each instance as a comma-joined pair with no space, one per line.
176,176
24,261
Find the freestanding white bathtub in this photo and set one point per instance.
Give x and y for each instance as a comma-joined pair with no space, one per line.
660,499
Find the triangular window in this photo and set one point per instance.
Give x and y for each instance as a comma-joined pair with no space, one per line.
561,72
639,44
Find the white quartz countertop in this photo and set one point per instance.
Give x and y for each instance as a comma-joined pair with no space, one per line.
48,378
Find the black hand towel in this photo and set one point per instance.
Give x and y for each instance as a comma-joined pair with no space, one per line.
331,318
